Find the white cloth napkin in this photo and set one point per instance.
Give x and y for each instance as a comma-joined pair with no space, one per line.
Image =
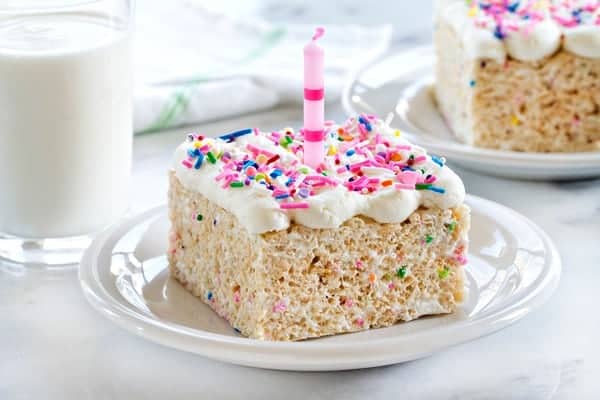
194,65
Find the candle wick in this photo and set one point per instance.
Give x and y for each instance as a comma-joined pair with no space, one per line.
319,31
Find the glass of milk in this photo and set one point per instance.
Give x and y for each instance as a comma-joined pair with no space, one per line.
65,125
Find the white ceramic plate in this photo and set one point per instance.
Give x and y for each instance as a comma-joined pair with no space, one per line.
513,269
402,84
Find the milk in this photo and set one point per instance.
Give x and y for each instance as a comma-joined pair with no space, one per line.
65,125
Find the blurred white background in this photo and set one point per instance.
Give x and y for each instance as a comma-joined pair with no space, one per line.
409,18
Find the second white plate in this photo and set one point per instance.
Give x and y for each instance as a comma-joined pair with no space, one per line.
513,268
402,84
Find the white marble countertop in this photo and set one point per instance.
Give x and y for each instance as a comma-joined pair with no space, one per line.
53,345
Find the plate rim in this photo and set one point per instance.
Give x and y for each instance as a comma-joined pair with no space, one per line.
162,332
456,147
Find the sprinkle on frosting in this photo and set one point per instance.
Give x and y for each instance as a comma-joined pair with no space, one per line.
364,158
506,16
527,29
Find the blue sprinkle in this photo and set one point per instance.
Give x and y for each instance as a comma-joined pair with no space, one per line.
513,7
472,83
437,189
193,152
365,123
275,173
437,160
199,161
209,296
249,163
236,134
282,196
190,137
350,152
498,33
289,182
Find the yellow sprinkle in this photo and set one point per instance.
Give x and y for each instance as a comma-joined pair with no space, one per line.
261,159
197,144
397,133
332,151
472,12
515,121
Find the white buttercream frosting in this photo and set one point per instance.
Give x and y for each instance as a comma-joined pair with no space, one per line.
524,30
384,191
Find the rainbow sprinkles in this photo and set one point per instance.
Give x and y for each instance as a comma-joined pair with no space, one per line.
526,30
364,158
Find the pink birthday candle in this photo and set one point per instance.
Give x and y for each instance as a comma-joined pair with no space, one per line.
314,102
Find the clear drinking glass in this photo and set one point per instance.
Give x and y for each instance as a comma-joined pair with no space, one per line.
65,125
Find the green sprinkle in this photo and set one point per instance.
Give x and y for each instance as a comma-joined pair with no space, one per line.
211,157
199,217
401,273
236,184
422,186
303,170
428,239
443,272
451,226
283,142
324,173
288,139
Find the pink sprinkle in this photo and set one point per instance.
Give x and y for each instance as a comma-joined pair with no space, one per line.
320,179
236,296
430,179
359,265
461,259
291,206
227,181
391,285
258,150
279,307
362,129
348,302
186,163
278,192
360,322
409,177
